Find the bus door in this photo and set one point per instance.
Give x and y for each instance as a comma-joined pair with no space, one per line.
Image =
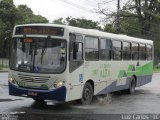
76,68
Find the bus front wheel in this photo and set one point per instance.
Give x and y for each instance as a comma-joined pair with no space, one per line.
132,86
87,94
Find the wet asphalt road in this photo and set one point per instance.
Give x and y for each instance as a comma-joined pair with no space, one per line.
146,100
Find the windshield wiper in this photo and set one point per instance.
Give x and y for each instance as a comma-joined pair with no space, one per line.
44,48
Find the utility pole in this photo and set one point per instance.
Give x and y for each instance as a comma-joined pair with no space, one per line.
118,18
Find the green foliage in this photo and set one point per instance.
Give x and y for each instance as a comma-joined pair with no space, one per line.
78,22
156,69
9,17
7,13
59,21
25,16
138,18
2,34
141,18
109,28
83,23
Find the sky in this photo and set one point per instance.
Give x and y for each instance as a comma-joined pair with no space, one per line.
54,9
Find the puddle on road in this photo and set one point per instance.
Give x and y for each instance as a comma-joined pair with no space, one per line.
9,100
158,95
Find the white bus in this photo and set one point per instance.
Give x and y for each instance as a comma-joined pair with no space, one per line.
64,63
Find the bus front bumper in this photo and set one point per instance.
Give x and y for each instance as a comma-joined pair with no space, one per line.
58,94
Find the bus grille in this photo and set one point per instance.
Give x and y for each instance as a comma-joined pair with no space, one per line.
33,79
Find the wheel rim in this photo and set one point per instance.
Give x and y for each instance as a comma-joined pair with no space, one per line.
87,94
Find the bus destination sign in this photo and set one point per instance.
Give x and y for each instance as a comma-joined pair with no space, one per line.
39,30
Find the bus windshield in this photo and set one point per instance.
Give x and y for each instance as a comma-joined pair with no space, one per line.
38,55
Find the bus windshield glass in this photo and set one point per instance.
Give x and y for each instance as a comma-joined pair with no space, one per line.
38,55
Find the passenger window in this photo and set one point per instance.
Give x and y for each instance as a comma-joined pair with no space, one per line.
91,48
126,51
135,53
142,51
117,50
149,52
105,49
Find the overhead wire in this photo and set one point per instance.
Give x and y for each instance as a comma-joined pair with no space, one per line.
75,5
85,9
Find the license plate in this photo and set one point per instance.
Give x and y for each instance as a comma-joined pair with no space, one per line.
32,93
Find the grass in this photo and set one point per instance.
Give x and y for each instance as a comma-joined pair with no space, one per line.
3,66
156,70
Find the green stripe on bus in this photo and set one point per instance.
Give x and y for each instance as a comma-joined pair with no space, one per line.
146,69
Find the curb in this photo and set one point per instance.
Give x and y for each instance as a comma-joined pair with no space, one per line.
3,84
3,71
156,73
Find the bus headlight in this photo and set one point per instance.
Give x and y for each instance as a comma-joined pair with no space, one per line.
59,83
11,79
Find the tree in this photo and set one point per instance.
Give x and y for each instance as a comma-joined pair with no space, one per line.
7,22
147,16
9,17
147,12
109,28
138,18
83,23
78,22
2,36
59,21
26,15
7,13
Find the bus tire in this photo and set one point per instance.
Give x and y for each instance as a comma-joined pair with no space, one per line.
132,86
87,94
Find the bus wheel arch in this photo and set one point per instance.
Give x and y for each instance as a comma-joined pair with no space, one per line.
88,92
135,77
92,83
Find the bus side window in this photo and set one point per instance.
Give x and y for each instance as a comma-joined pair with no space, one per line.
142,51
77,51
91,48
105,49
126,51
135,53
117,50
149,52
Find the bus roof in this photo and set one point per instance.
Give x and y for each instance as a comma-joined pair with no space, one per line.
94,32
